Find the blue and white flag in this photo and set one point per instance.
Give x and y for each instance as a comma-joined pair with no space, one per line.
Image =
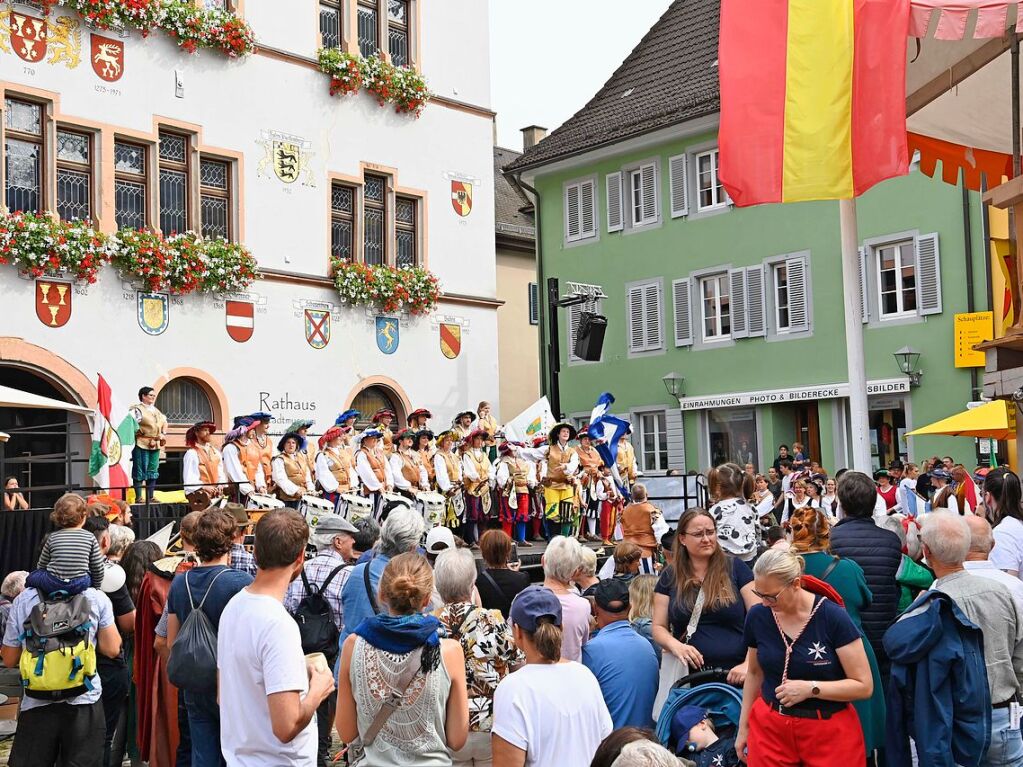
606,430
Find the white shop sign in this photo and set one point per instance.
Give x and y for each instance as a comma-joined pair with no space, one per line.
797,394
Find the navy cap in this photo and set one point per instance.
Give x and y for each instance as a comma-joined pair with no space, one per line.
532,604
684,720
941,474
612,595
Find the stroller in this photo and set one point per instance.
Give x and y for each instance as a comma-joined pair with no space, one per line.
707,689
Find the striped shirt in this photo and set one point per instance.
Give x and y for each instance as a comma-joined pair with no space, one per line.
72,553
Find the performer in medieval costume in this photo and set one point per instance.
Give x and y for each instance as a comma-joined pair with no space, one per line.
335,466
626,460
382,420
478,476
348,418
485,420
307,448
242,466
448,471
150,438
611,503
419,419
462,424
262,445
202,470
410,476
373,470
290,472
426,449
589,475
560,494
516,477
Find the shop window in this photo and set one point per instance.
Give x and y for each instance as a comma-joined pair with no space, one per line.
732,435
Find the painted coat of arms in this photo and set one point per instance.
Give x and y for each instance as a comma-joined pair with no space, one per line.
450,340
153,312
53,302
240,319
288,156
107,57
387,334
317,327
461,197
31,38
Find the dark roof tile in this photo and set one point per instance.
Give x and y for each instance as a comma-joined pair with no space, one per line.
509,200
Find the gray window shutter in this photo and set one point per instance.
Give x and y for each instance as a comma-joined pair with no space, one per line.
648,185
755,307
678,177
534,303
652,314
864,314
614,202
737,302
676,439
928,275
683,316
587,212
796,272
572,212
637,336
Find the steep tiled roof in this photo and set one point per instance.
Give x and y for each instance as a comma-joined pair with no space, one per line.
509,199
670,77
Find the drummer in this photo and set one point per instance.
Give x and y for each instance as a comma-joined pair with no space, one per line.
462,424
348,418
202,470
419,419
382,420
290,472
448,470
485,420
335,466
374,472
589,476
516,478
478,475
308,451
262,445
410,476
243,470
426,449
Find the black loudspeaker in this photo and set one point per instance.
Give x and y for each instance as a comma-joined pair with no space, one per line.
590,338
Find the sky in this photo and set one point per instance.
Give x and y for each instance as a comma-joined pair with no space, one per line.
548,57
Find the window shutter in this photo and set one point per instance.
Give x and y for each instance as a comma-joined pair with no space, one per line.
615,214
737,302
795,271
652,314
587,214
755,302
648,185
534,303
572,212
637,338
928,275
678,178
683,317
864,314
674,428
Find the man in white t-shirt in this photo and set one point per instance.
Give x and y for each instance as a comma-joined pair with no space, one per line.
268,694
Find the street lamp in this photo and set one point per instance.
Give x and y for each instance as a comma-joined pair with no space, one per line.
675,384
908,360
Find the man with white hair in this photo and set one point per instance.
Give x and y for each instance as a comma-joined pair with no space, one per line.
982,540
560,562
946,538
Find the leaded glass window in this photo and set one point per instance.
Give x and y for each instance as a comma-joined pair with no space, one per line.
74,175
173,183
369,42
374,195
342,218
330,23
23,155
397,32
215,198
130,204
405,234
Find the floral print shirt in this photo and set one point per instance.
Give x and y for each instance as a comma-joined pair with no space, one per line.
490,652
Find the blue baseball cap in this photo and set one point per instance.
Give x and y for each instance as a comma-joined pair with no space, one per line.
684,720
532,604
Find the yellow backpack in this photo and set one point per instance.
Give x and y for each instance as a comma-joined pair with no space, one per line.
59,660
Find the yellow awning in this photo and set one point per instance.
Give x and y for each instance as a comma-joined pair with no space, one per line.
995,420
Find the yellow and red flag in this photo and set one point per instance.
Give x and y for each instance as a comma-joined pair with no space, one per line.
813,98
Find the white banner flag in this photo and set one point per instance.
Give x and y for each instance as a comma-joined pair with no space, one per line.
535,420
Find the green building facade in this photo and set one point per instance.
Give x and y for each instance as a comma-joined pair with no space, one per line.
746,305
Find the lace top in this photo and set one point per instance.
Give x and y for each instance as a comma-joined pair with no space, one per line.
414,734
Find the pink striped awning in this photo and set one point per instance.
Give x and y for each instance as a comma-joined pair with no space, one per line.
990,17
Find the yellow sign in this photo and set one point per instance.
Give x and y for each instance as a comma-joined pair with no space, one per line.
970,330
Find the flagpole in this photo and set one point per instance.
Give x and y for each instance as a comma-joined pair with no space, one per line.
859,426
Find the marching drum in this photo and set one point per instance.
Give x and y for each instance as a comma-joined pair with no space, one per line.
313,507
356,507
433,508
259,505
391,501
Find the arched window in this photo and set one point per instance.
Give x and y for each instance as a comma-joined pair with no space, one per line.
371,399
184,402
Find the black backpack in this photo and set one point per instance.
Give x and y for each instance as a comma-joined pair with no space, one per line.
315,618
192,665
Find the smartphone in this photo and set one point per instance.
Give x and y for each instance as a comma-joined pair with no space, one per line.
514,563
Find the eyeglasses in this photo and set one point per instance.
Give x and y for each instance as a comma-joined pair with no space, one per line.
769,598
702,534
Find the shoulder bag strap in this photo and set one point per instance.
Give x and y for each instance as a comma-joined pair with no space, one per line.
830,568
305,583
330,577
393,701
490,580
369,589
208,588
694,619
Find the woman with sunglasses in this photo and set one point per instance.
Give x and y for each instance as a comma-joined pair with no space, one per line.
805,665
700,565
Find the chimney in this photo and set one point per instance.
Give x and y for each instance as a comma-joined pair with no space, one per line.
531,136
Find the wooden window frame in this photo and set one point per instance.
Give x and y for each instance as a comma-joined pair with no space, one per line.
406,28
355,252
88,168
339,7
719,294
717,189
375,7
134,178
185,167
413,228
40,139
900,290
386,210
223,194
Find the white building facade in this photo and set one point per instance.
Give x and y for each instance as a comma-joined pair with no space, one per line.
183,141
